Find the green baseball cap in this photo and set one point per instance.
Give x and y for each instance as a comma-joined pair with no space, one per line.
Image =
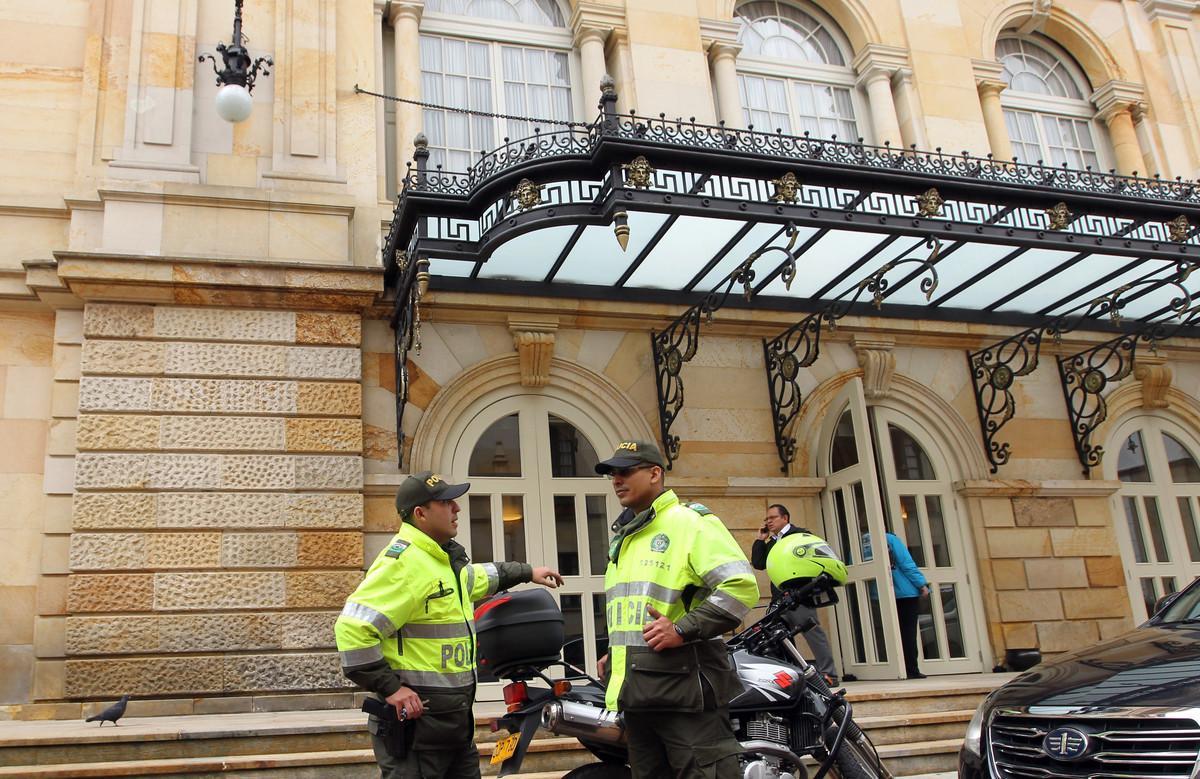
425,486
631,453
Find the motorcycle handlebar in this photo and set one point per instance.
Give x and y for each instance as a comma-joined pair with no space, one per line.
788,600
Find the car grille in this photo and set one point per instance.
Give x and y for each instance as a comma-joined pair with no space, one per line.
1124,748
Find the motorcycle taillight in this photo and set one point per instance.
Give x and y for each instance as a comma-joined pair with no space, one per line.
515,694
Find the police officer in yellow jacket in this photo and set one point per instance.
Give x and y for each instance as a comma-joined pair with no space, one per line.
676,580
407,634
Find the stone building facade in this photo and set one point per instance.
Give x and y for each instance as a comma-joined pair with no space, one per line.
198,374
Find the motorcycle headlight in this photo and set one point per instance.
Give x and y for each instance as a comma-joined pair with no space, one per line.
974,738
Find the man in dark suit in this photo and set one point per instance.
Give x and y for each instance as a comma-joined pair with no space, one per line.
776,525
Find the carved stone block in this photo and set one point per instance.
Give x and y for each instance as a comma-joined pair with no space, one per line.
878,362
329,399
110,471
107,551
207,591
183,471
262,471
227,433
110,431
110,592
224,324
221,359
258,550
328,473
324,435
307,629
109,394
534,342
123,358
257,397
323,362
316,328
111,635
1154,374
108,320
183,550
251,673
332,511
320,589
220,510
152,676
330,550
104,511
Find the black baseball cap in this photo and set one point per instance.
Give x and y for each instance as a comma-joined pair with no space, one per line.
631,453
425,486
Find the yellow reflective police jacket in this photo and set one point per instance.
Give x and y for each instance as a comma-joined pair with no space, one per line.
680,559
411,623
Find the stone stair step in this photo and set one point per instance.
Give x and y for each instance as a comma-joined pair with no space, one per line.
890,729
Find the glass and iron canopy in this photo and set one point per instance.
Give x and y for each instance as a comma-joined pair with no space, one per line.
672,211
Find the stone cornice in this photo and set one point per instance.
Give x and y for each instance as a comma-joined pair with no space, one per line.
1051,488
1114,97
218,281
1169,10
877,60
227,197
746,486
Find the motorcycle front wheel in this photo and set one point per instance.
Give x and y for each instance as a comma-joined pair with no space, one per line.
599,771
853,762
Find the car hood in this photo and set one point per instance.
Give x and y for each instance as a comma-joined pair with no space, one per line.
1154,665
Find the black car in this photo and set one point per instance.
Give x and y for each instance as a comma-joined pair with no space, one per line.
1129,707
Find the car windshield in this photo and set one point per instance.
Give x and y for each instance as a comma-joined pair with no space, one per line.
1184,608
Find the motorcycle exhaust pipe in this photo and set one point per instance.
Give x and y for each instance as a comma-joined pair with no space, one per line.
567,718
770,748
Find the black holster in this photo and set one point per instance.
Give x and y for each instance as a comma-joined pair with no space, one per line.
396,733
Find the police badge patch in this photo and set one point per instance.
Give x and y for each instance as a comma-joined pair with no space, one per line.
396,549
660,543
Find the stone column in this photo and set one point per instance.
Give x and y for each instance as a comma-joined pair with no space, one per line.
1177,91
1145,136
912,124
1115,101
380,109
723,57
406,18
590,42
989,83
875,66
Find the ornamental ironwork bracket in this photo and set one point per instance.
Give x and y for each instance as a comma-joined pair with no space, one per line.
676,343
406,322
800,345
995,368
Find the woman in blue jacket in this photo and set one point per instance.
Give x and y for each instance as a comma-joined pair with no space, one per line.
910,586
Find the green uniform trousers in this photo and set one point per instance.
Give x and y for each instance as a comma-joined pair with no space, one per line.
682,745
460,763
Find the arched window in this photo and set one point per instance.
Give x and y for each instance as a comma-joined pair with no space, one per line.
1046,105
793,73
1159,517
497,56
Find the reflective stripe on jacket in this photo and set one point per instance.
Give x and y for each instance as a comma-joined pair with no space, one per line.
686,565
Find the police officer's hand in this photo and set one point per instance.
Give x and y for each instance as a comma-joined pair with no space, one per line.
547,576
660,634
602,667
406,700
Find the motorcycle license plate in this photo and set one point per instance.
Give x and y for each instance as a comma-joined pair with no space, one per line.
505,748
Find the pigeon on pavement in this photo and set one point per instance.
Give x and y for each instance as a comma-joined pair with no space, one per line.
112,713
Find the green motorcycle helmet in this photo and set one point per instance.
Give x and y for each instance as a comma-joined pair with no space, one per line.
798,558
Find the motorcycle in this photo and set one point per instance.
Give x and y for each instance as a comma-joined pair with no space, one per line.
784,714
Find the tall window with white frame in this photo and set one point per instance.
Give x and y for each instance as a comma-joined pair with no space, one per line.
793,73
493,56
1046,109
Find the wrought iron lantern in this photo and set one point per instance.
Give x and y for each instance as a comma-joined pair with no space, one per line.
236,81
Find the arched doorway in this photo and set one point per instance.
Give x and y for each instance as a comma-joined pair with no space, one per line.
535,498
884,473
1158,507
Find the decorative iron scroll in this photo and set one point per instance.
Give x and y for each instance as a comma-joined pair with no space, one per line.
406,322
995,368
800,345
1084,376
676,344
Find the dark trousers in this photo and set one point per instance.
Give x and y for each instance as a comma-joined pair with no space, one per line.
907,610
680,745
461,763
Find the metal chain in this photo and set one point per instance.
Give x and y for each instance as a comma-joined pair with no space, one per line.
435,106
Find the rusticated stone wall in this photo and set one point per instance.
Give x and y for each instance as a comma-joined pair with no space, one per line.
217,523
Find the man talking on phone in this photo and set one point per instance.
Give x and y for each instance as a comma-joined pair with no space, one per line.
778,524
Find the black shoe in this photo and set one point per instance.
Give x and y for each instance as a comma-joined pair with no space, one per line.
917,675
849,678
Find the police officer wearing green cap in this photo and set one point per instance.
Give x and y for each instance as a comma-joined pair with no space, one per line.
407,633
676,580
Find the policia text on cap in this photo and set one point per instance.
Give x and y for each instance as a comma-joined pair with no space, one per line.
676,580
407,634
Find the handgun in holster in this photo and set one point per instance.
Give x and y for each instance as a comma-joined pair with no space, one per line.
394,730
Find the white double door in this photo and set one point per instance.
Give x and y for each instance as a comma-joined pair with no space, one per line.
882,475
535,498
